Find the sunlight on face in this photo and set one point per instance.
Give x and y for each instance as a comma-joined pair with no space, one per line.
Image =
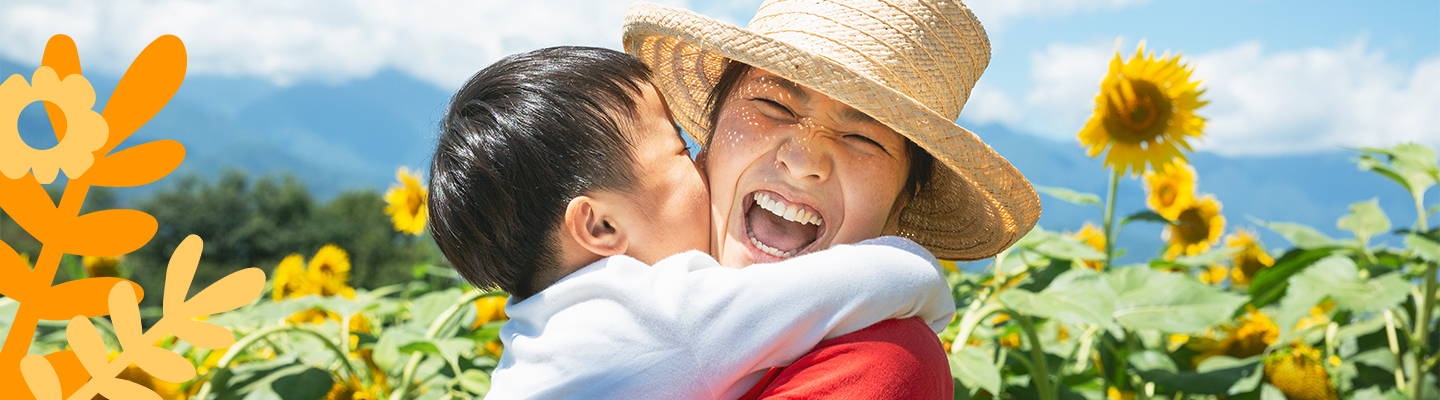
793,171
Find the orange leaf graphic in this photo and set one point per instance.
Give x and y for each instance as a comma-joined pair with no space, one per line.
89,349
105,233
16,281
137,165
147,85
125,316
234,290
162,363
72,374
203,334
61,56
78,297
41,377
26,202
117,388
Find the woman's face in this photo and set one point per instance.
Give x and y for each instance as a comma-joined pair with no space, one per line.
792,171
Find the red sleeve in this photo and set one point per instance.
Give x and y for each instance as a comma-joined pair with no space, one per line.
894,359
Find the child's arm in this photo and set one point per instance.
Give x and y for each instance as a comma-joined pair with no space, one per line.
743,320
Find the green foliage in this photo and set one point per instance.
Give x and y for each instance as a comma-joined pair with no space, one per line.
256,222
1070,196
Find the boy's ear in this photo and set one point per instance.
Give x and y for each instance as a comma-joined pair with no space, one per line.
591,224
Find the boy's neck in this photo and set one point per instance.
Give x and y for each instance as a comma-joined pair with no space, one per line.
572,258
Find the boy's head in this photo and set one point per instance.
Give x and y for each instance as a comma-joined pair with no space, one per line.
551,159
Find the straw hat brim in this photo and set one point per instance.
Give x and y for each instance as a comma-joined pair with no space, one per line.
975,204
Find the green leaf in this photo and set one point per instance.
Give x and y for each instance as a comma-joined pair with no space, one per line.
1365,220
1130,297
1424,246
448,349
1376,393
1168,302
281,378
1215,256
1152,360
975,369
1220,376
1270,283
1069,196
1338,278
1411,165
1270,392
427,308
387,350
474,381
1301,236
1065,247
1147,216
1077,296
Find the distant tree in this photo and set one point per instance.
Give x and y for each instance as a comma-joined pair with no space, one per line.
255,223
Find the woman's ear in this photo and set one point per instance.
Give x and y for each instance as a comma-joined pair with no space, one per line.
591,224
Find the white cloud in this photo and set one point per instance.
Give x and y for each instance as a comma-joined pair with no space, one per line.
1316,99
440,41
1260,102
996,13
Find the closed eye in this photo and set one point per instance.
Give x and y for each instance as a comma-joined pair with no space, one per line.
775,108
867,140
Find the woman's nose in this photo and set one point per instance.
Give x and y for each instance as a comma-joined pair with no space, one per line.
806,155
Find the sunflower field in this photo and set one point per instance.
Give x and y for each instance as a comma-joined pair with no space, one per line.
1215,314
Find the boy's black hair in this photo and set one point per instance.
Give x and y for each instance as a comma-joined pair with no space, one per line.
521,139
921,161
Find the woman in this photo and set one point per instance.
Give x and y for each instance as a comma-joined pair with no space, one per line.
840,113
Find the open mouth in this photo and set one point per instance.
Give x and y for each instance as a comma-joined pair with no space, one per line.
778,227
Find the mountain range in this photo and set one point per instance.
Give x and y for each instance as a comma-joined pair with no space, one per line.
337,136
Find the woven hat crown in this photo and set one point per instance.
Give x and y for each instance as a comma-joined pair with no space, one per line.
909,64
931,51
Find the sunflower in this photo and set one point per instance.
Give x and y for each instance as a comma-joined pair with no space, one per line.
1214,274
1249,335
329,271
1319,315
101,266
291,279
1093,237
1198,226
1144,113
489,309
85,130
1299,374
1251,258
1170,188
350,389
406,203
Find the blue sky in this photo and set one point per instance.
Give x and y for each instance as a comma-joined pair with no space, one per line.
1284,76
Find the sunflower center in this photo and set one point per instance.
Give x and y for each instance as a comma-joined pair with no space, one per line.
1166,193
1193,227
415,200
1139,114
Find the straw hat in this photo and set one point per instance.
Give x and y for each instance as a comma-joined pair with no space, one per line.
910,64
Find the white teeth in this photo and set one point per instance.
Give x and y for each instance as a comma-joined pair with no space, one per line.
771,250
789,212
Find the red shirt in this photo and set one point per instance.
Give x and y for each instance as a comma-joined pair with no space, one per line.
894,359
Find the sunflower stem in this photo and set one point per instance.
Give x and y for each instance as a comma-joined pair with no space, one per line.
244,343
1110,219
1420,342
434,330
1040,370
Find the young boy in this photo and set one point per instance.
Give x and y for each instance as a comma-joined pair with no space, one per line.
560,178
